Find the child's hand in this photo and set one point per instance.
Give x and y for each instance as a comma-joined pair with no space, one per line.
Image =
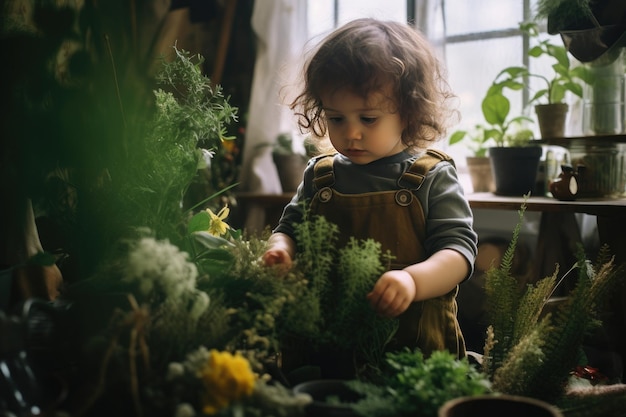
277,257
393,293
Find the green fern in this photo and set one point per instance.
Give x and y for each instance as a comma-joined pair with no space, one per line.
339,280
529,352
502,303
572,322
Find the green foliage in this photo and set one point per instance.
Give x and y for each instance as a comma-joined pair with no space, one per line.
501,290
339,280
530,352
480,139
190,112
564,14
413,385
498,128
565,78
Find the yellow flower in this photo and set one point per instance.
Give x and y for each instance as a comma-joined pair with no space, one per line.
226,378
218,226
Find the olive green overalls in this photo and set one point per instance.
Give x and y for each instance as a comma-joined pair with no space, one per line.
396,220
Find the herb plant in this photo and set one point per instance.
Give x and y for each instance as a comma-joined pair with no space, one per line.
335,305
414,385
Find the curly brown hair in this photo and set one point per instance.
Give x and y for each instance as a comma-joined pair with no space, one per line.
369,55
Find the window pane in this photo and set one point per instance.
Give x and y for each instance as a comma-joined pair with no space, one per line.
321,13
472,68
320,16
468,16
388,10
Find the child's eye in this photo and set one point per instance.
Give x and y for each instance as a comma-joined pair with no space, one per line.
368,120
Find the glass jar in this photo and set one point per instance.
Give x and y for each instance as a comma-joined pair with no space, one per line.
600,169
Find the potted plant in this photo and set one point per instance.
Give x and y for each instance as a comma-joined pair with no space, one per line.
589,29
507,141
549,102
289,162
478,163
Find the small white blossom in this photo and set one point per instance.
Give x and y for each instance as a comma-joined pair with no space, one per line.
175,370
199,306
184,410
157,265
197,359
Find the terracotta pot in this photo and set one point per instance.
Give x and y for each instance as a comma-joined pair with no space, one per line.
480,173
551,119
497,405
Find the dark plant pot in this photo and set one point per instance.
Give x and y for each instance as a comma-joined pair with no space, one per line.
479,168
497,405
551,119
515,169
322,391
290,170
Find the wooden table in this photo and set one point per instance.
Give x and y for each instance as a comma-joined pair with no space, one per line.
596,207
610,213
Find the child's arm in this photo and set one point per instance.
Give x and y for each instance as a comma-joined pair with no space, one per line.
395,290
281,250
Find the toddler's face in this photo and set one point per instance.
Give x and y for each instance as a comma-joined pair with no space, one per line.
363,130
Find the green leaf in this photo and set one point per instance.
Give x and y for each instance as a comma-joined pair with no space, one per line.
457,136
496,109
535,51
209,241
558,93
559,53
575,88
199,222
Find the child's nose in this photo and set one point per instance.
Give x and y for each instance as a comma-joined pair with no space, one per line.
353,132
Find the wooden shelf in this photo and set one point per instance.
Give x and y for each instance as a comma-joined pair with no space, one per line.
600,140
597,207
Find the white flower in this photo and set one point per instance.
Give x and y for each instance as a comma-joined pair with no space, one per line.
175,370
184,410
199,305
157,265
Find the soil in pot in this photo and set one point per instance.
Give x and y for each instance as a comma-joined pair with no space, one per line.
515,169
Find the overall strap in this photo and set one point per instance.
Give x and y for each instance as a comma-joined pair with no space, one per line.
324,176
415,175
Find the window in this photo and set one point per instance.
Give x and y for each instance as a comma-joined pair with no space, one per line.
482,38
325,15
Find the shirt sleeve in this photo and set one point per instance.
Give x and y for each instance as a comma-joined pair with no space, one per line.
293,212
449,218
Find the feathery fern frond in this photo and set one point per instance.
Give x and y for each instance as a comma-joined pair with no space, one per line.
502,301
523,362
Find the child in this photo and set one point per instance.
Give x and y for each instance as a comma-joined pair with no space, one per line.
376,89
